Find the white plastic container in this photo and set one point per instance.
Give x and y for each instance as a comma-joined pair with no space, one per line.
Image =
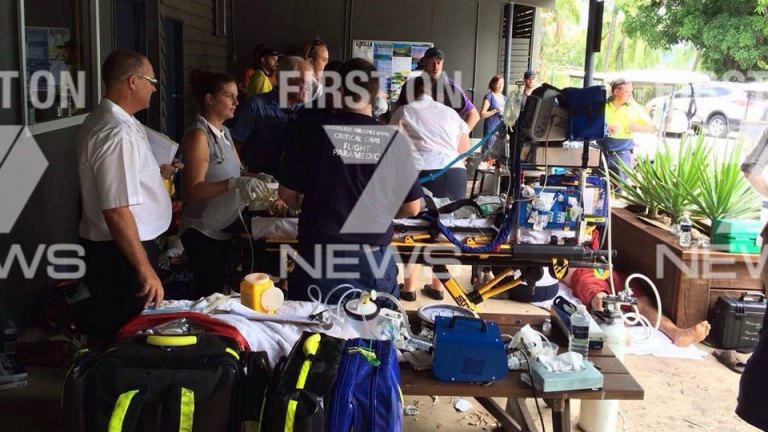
602,415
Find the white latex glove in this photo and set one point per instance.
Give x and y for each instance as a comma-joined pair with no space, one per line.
249,187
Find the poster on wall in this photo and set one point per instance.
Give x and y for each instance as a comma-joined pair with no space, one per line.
46,50
395,60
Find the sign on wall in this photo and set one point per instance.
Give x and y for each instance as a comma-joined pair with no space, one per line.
395,60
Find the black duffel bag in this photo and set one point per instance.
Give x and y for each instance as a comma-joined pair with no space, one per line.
199,383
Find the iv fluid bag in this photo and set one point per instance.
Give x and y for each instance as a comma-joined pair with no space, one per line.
512,108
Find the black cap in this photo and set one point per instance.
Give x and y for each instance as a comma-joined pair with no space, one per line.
434,52
529,74
268,51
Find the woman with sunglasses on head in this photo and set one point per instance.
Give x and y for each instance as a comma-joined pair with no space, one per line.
213,190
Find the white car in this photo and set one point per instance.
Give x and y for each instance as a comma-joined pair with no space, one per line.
716,107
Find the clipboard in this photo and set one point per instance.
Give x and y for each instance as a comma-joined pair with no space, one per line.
163,147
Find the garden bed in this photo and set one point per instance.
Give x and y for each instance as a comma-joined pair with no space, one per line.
689,280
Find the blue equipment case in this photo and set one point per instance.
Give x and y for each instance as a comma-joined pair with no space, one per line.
468,350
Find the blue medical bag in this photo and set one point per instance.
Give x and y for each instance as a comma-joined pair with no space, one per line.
468,350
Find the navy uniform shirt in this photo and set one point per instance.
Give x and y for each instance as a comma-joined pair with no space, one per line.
333,183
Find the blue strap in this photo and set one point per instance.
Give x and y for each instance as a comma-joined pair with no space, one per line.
429,178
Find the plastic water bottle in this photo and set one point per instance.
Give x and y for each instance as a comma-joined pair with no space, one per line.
579,340
685,230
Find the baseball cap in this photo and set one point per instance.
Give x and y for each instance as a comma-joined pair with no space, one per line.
268,51
434,52
618,83
529,74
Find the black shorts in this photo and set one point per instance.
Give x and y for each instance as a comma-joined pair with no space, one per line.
753,386
452,184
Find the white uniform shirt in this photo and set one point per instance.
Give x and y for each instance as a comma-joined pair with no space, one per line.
117,169
434,130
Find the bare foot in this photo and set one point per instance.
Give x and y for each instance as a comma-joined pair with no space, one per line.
690,336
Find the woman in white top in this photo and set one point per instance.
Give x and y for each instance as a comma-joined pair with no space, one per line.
438,136
213,191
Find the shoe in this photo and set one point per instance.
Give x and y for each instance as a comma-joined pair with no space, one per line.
433,293
729,359
409,296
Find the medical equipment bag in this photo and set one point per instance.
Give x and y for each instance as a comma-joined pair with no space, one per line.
736,321
196,383
298,396
366,396
586,113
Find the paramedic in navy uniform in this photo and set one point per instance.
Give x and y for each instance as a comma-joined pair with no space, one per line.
326,184
125,205
753,388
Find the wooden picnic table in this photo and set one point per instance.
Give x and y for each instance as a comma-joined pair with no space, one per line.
618,384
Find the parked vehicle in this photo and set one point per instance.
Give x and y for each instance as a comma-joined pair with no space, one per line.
716,107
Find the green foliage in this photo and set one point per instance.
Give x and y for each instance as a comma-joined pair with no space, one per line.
564,39
699,176
723,191
664,183
730,34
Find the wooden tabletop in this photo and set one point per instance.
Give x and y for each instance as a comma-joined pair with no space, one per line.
618,382
515,417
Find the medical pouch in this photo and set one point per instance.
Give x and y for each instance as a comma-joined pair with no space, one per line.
298,396
366,396
586,113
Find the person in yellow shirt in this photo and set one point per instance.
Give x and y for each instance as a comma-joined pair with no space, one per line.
260,80
624,117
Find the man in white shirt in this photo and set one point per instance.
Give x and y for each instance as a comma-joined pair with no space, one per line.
125,204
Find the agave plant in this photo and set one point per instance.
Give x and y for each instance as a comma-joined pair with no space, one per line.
665,183
723,191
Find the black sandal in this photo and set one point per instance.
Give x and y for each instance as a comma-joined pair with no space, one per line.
409,296
433,293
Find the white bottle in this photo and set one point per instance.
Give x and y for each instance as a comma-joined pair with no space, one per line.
579,338
685,230
546,328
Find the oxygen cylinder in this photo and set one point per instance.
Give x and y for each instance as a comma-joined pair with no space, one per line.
601,416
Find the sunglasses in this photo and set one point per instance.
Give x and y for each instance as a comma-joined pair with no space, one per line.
154,81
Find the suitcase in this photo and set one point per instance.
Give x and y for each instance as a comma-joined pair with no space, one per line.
192,383
736,322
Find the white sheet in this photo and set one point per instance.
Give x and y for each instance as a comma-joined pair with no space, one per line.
658,345
276,338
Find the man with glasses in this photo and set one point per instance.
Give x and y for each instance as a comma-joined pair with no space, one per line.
125,205
624,117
